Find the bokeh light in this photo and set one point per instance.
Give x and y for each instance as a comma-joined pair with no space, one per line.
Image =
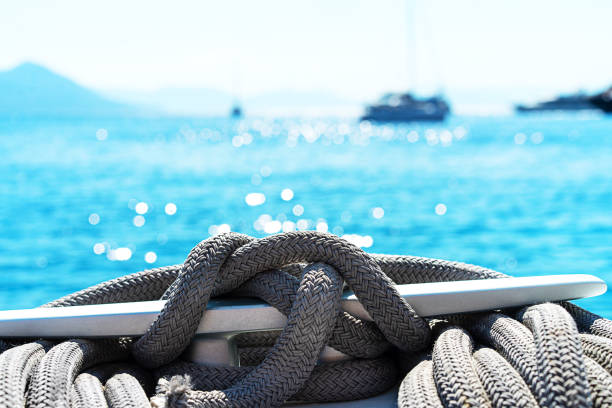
150,257
378,212
170,209
440,209
254,199
94,219
287,194
138,221
141,208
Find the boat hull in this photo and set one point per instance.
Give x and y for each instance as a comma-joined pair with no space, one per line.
407,108
602,102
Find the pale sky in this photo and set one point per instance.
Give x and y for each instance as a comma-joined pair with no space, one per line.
357,49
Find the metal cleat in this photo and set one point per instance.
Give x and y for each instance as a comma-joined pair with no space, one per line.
225,318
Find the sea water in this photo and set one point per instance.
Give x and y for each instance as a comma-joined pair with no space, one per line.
86,200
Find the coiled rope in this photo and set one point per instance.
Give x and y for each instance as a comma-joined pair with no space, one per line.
548,355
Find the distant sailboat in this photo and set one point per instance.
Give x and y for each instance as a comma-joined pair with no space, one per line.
603,100
574,102
236,112
407,107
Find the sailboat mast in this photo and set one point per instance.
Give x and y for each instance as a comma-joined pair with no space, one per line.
411,55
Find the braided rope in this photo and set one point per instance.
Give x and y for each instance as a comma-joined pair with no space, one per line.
16,368
502,383
559,358
454,372
418,388
352,336
290,362
124,390
394,317
87,391
545,355
187,298
51,383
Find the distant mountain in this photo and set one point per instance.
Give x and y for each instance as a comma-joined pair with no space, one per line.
179,101
32,90
206,101
311,103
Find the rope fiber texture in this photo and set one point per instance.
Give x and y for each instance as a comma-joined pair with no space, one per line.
547,355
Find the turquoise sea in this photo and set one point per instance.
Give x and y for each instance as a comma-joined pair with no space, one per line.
85,200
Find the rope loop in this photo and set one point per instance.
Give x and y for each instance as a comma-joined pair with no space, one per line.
225,262
187,298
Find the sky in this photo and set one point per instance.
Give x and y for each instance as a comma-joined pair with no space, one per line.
474,50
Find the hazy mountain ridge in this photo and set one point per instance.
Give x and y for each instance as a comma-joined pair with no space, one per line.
32,90
209,101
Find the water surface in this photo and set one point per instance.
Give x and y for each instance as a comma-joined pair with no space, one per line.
522,195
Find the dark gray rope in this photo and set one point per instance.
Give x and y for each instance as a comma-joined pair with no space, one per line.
114,384
598,348
454,371
352,336
124,390
141,286
559,357
394,317
187,298
17,366
550,356
291,360
51,383
334,381
589,322
418,389
502,383
87,391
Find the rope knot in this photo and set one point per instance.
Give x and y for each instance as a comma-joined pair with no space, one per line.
223,263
